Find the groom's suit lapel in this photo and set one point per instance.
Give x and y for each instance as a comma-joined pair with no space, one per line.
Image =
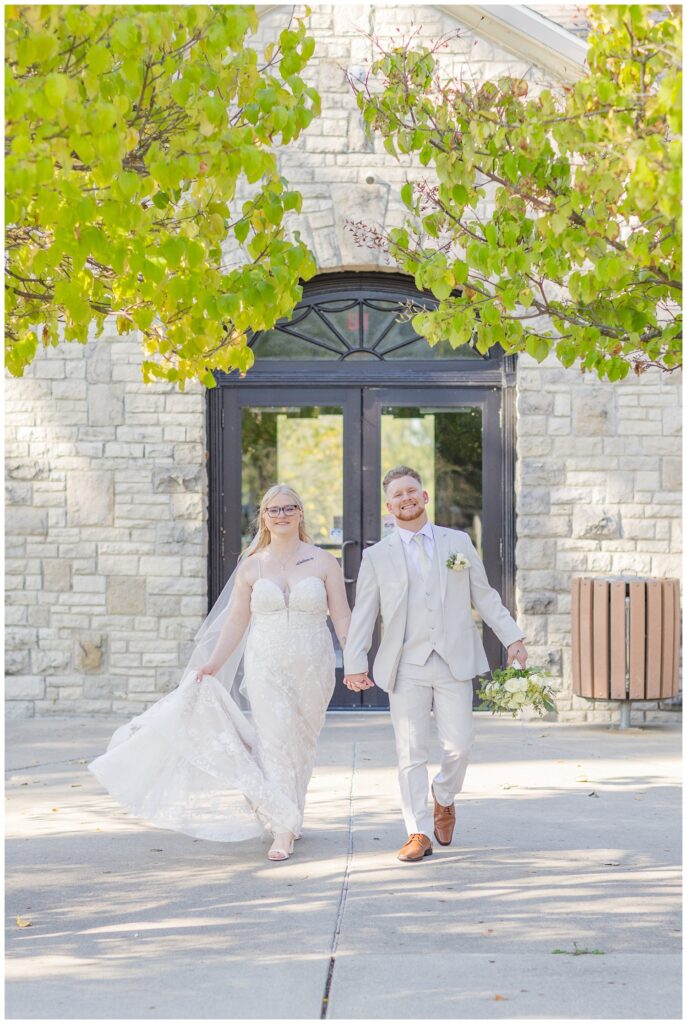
441,542
396,562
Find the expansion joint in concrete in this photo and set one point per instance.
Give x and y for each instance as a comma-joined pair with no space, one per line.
343,895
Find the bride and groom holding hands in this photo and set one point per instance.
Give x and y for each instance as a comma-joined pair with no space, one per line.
196,763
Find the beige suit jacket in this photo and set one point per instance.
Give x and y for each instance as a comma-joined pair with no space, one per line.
382,589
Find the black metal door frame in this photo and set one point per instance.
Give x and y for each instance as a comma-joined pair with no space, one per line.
361,406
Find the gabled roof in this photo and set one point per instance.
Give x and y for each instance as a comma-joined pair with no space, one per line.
573,17
526,34
522,31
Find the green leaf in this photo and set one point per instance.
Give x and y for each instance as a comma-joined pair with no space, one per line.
390,147
460,272
538,348
489,313
267,98
173,250
605,90
42,47
99,59
241,230
292,201
124,36
290,64
195,253
56,87
143,318
253,164
441,284
181,91
274,213
460,195
128,183
83,147
431,224
214,109
426,154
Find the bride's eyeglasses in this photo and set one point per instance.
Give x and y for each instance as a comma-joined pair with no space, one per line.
274,510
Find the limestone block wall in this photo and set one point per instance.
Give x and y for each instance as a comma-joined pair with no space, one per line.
106,541
598,492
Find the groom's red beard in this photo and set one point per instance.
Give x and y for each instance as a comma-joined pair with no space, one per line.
409,514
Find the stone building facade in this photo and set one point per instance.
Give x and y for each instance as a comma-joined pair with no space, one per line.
107,478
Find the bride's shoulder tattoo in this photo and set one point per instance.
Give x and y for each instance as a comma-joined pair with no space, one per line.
311,558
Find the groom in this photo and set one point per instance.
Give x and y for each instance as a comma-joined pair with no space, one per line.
429,652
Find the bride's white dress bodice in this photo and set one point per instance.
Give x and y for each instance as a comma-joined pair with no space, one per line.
305,604
289,647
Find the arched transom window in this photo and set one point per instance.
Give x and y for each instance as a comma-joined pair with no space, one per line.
372,322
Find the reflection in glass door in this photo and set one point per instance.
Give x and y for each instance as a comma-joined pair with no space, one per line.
302,447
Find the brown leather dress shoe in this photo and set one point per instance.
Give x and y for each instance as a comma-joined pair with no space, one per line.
444,822
417,847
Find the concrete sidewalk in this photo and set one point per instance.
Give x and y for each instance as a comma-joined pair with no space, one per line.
559,897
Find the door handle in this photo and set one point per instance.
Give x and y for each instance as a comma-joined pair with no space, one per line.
343,559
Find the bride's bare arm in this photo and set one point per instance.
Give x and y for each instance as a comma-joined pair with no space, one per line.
337,600
238,618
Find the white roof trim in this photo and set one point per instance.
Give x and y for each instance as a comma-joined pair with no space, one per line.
525,34
520,31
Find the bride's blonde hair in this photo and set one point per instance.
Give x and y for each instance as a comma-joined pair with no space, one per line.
262,538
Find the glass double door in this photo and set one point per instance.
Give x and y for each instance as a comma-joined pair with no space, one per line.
334,445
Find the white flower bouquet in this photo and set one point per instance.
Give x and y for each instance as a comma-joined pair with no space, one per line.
511,689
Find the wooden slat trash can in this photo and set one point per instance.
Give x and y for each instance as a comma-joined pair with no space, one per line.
625,639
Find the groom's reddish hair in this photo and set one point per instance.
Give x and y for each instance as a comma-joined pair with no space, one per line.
399,471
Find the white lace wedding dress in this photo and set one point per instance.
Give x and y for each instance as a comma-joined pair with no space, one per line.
195,763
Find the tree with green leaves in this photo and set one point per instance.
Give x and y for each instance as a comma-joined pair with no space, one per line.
553,219
128,132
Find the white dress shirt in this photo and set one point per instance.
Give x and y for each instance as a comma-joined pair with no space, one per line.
411,549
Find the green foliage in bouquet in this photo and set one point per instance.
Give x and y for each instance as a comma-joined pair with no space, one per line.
129,131
512,689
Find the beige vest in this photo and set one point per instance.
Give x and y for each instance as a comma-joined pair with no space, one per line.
423,632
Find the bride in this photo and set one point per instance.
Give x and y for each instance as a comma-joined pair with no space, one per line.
194,762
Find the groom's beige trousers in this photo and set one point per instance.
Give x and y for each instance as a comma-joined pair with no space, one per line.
419,689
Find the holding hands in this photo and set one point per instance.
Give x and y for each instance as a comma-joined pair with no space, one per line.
358,681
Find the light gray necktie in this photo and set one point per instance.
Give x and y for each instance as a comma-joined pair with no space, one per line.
424,560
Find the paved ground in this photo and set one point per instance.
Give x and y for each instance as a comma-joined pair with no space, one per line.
559,898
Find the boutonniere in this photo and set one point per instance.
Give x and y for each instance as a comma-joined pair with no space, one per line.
457,562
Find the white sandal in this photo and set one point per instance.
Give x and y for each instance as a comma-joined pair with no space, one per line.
280,852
